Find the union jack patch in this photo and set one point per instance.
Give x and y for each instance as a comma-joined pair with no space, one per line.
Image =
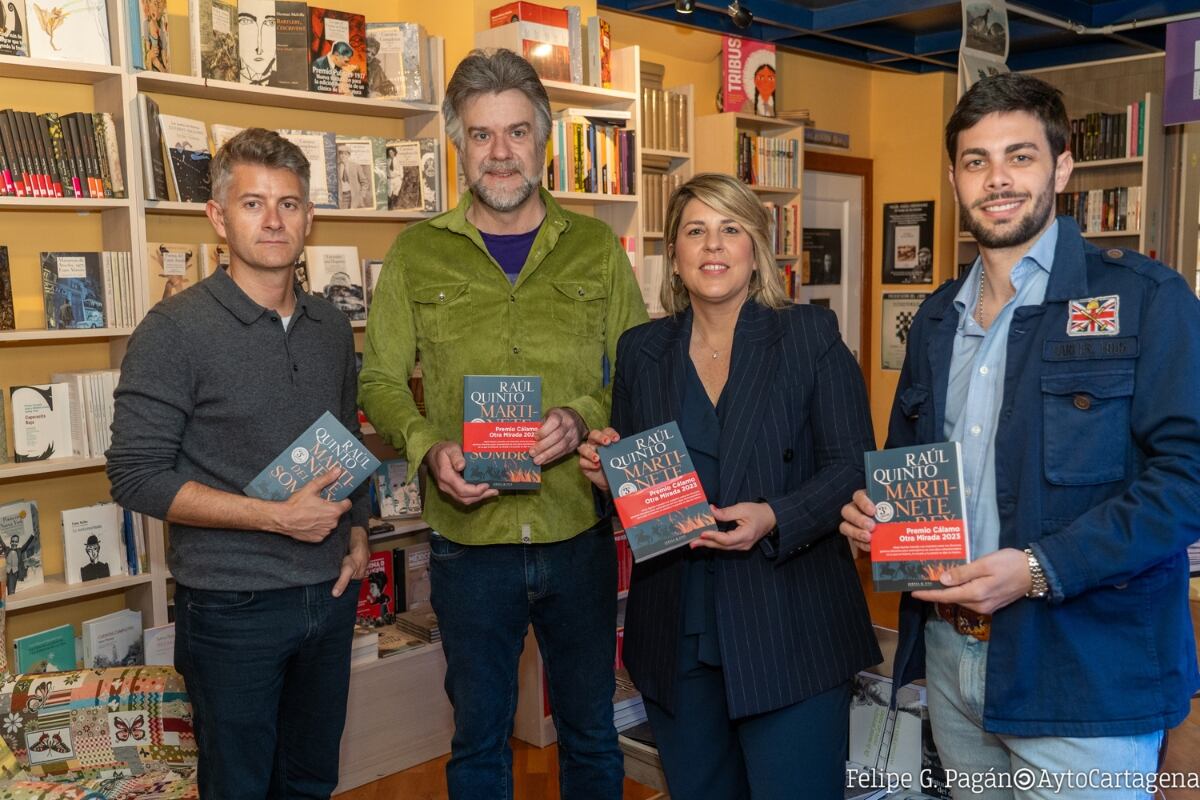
1094,316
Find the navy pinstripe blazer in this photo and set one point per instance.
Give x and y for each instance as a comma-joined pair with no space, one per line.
791,617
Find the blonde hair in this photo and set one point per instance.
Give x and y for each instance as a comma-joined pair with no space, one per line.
725,195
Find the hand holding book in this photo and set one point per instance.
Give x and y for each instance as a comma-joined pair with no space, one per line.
589,456
306,515
446,463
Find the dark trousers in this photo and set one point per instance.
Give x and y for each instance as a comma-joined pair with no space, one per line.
485,597
267,673
798,751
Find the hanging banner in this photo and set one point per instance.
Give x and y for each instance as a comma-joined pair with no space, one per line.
1181,98
984,48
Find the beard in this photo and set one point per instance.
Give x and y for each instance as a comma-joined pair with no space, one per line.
503,199
1016,232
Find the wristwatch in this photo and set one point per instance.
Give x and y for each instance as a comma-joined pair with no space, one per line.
1037,575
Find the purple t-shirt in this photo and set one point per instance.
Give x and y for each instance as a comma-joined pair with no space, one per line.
510,250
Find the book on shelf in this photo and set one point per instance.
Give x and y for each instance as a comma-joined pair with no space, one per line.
598,53
8,317
747,76
21,545
628,707
398,62
14,40
73,290
920,515
41,422
656,491
109,156
93,544
51,650
650,280
501,415
376,594
320,148
78,32
393,641
335,273
113,640
404,175
213,256
213,25
768,161
174,266
371,269
325,444
81,128
379,170
133,537
421,623
158,645
538,33
431,199
337,52
575,42
396,496
624,561
364,646
356,172
411,568
664,115
223,133
149,34
272,39
585,154
90,393
154,167
185,146
1099,135
3,436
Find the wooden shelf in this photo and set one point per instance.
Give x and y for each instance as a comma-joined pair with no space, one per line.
226,91
755,122
593,197
80,204
72,334
1108,162
46,69
175,208
48,467
578,94
403,528
652,235
56,590
787,256
649,151
759,188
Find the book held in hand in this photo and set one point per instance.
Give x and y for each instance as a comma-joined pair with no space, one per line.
501,415
324,445
920,515
656,491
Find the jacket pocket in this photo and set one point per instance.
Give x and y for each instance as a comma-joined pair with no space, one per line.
1085,426
436,310
579,306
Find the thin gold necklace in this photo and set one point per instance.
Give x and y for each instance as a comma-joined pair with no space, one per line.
704,341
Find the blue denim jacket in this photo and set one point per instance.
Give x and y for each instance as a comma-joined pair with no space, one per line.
1098,471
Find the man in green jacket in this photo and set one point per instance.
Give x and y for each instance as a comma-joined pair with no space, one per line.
509,283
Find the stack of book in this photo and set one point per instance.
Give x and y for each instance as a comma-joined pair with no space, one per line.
59,155
628,707
421,623
393,641
364,647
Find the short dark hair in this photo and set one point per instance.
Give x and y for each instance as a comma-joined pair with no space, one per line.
342,49
1006,92
256,146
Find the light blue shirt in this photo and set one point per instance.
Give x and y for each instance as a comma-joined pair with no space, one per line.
976,385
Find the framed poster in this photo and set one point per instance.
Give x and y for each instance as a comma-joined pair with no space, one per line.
898,312
822,257
908,242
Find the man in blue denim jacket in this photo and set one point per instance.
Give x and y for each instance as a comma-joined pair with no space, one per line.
1069,375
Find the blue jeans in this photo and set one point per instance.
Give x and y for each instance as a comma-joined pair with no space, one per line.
485,597
956,673
267,673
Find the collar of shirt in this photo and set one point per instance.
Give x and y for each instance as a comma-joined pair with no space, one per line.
237,302
1040,255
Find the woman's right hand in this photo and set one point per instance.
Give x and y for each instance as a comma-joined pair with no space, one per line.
589,456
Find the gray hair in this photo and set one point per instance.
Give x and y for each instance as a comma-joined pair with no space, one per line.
483,72
256,146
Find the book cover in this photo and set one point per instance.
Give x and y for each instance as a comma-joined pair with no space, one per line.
51,650
371,269
257,61
884,741
599,52
920,515
14,38
186,144
397,497
325,444
173,268
411,567
223,133
213,257
421,623
404,175
154,44
335,274
356,172
100,146
3,437
656,491
110,151
747,76
393,641
379,166
320,148
8,317
154,168
21,544
216,54
501,414
73,290
430,196
545,45
159,645
398,61
337,52
376,594
291,45
73,31
114,640
92,543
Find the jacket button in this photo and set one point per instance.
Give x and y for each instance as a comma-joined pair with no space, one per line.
516,351
442,296
1082,402
581,292
787,455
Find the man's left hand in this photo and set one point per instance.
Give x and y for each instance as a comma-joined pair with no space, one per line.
986,584
754,521
354,564
561,432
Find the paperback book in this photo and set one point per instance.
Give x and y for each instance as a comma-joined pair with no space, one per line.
173,268
324,445
46,651
291,45
396,496
747,76
320,148
185,142
376,601
73,290
213,257
404,175
501,415
14,41
335,273
114,640
398,61
356,172
338,52
75,31
8,318
41,422
920,517
371,269
92,543
656,490
159,645
154,43
214,28
21,545
411,567
257,34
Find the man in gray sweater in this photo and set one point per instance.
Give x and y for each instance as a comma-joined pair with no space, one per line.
218,381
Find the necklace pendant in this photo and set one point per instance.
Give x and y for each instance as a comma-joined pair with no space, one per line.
715,354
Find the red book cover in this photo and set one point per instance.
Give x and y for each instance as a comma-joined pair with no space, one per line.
337,52
624,561
376,595
747,76
528,12
501,416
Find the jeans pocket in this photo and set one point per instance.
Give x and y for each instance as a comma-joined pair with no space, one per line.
218,600
443,549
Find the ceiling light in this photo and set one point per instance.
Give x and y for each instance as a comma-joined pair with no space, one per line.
741,16
685,6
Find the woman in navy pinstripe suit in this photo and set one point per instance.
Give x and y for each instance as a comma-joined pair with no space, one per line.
743,645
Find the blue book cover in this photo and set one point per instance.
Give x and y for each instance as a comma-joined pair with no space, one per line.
46,651
501,415
73,290
324,445
656,490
